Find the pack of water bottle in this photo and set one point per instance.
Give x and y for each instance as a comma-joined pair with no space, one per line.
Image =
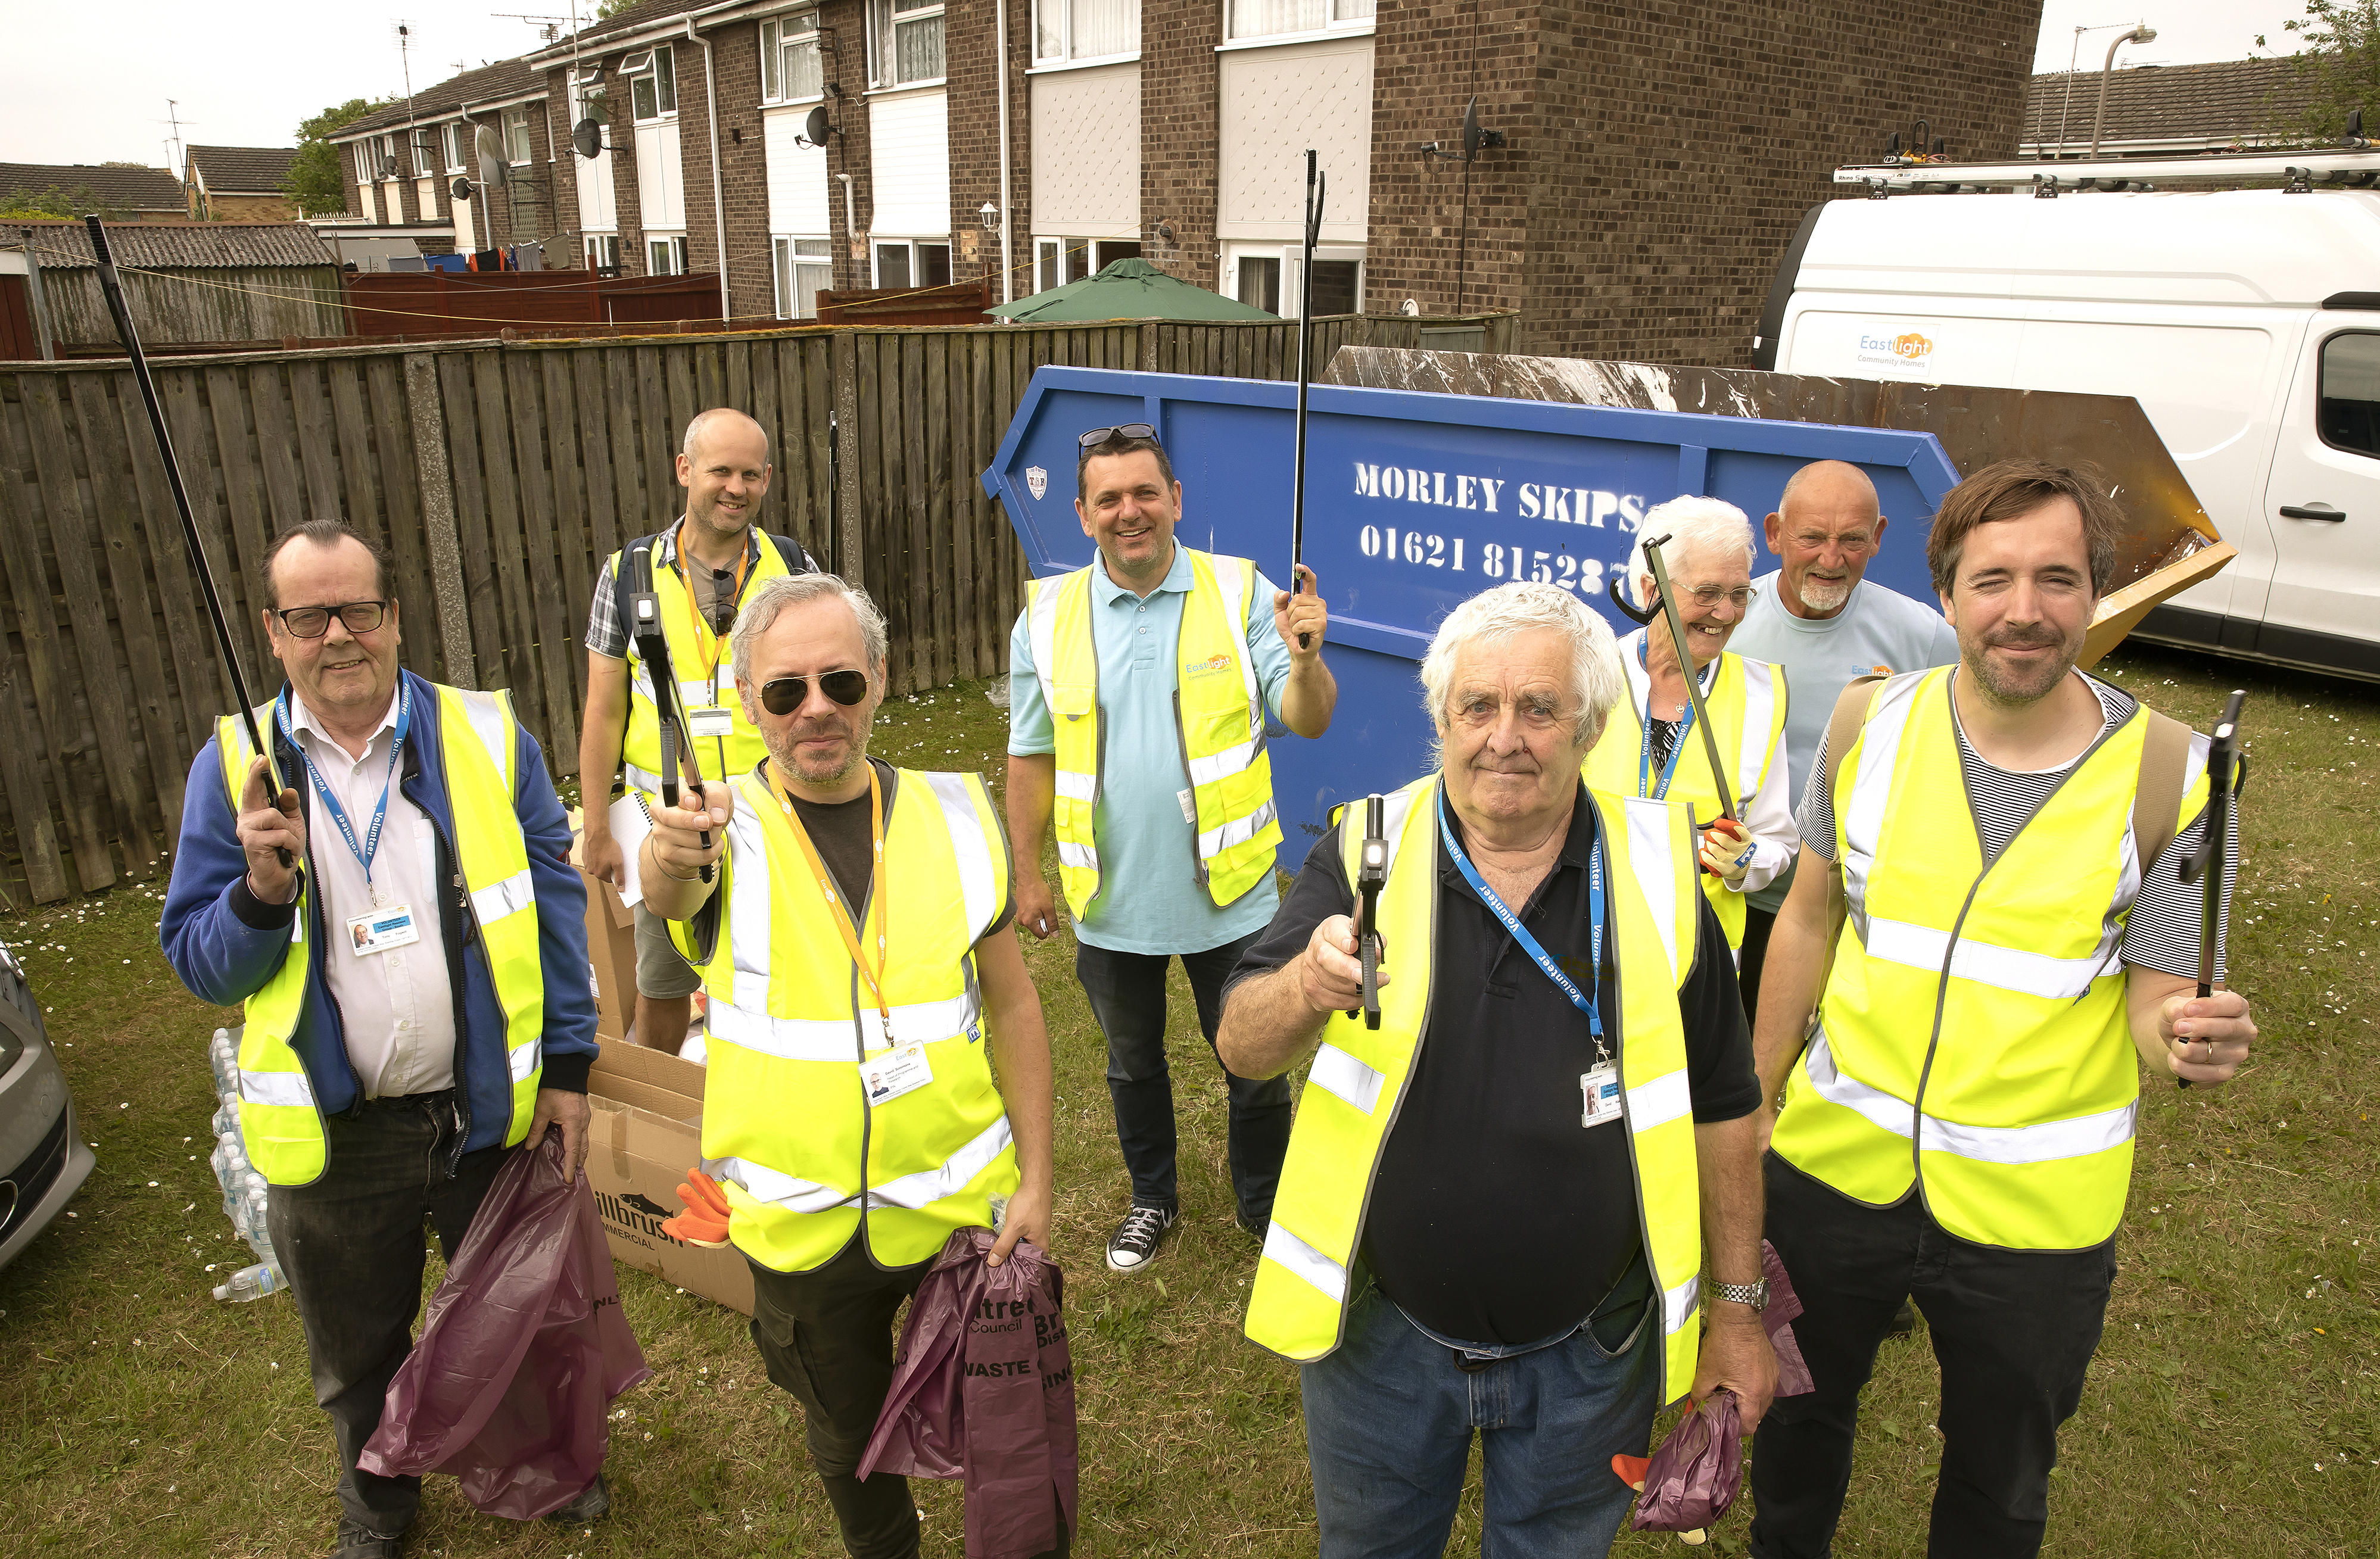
243,1187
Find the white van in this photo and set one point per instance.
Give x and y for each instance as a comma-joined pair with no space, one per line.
2245,322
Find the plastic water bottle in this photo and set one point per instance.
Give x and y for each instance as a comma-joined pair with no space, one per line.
224,1058
253,1282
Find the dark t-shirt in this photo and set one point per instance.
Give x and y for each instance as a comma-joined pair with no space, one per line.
1496,1217
846,843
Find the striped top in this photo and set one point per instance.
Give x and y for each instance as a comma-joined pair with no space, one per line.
2164,931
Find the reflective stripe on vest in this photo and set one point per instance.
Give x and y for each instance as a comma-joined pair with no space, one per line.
1974,1037
640,750
280,1119
789,1026
1746,703
1219,722
1357,1078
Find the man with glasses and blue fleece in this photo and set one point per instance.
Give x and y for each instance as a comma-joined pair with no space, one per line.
410,942
1142,691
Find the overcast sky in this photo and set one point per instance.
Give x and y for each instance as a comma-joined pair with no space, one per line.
89,82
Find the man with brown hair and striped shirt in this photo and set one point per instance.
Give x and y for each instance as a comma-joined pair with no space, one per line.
1992,937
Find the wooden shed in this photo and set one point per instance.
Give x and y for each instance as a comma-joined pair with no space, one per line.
214,283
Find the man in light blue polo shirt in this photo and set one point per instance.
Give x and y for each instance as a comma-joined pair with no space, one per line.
1154,884
1817,617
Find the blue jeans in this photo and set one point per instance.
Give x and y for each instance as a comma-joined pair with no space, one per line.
1389,1420
1127,996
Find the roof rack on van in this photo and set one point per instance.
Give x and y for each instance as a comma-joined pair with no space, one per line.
2355,168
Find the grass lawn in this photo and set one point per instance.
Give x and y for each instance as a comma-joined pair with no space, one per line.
2232,1411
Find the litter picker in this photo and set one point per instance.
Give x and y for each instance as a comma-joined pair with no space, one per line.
1727,804
652,648
1316,184
2227,776
1371,876
113,288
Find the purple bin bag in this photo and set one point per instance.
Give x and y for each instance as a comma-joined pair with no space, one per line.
523,1349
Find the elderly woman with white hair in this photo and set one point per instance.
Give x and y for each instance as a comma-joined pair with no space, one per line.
1503,1229
1650,748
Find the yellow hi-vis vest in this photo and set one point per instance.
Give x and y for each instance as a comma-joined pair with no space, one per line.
279,1118
1745,700
1218,712
786,1129
1357,1081
640,750
1973,1038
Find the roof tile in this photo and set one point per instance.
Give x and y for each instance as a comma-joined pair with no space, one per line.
243,170
126,190
173,245
2248,101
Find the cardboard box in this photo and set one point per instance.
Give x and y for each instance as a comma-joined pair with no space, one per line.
646,1133
612,949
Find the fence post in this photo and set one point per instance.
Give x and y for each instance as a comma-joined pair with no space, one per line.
438,516
842,365
1149,328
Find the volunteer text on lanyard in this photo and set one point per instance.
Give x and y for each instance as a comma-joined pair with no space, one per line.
899,1070
1599,1086
384,925
714,720
1645,756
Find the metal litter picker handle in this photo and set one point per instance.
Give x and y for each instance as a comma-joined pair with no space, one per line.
1315,185
2227,776
1371,876
1727,805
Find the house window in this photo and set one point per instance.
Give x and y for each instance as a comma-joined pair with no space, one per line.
1338,282
1260,283
665,257
790,67
459,146
1275,19
805,269
425,152
904,43
365,172
389,166
903,263
1067,30
517,149
603,253
1060,261
653,83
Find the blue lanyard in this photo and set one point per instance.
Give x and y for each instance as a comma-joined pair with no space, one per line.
371,845
1529,944
1645,756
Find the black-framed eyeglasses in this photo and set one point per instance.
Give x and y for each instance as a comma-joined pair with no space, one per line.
313,621
785,695
1098,436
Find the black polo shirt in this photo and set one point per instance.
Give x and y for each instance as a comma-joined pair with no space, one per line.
1496,1217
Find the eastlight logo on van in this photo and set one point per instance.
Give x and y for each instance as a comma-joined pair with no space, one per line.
1908,349
1533,500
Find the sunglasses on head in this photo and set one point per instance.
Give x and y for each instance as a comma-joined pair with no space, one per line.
785,695
1098,436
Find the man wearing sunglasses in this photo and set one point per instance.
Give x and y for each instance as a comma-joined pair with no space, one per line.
1141,690
699,571
855,935
410,941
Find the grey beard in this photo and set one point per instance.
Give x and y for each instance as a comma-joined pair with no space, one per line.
1825,597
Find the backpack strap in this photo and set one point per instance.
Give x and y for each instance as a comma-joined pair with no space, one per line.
797,556
2156,799
635,578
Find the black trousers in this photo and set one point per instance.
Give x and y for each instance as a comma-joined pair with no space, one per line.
826,1336
1127,996
352,1248
1750,958
2013,1331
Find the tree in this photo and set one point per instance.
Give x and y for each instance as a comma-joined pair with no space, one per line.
2342,63
317,180
55,202
611,9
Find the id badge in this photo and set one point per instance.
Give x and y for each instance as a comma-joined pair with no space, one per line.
1598,1089
895,1072
710,721
382,929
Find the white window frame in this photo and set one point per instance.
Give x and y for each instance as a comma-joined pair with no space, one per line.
520,147
457,135
916,282
880,77
1337,26
780,36
367,166
674,245
1292,256
649,65
1240,254
786,261
425,151
601,249
1067,55
1065,246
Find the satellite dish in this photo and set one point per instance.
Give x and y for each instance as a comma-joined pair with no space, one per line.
1471,129
388,167
460,190
489,147
816,129
587,137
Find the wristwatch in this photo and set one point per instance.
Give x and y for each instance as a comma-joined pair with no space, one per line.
1753,1293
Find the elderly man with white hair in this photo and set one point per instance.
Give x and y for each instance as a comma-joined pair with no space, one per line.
1502,1230
1650,748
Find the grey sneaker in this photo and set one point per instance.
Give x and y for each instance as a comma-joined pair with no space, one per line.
593,1502
1133,1245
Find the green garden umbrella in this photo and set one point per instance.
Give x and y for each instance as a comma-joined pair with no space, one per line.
1127,289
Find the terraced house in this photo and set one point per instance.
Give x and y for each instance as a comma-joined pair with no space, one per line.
1640,170
463,167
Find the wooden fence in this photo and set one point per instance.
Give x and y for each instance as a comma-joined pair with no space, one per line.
501,475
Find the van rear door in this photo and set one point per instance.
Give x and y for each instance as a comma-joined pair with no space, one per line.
2323,500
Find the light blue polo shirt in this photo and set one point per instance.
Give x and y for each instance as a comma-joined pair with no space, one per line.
1151,900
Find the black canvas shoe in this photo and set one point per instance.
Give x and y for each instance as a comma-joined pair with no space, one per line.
592,1503
1133,1245
356,1541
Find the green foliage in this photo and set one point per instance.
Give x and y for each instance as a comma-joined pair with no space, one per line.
55,202
317,179
611,9
2343,62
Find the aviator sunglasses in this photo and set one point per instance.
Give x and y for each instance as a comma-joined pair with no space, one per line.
785,695
1098,436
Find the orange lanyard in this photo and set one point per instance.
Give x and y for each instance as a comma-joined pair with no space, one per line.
704,639
834,900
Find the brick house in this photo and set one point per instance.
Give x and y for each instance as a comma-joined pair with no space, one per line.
486,131
238,183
